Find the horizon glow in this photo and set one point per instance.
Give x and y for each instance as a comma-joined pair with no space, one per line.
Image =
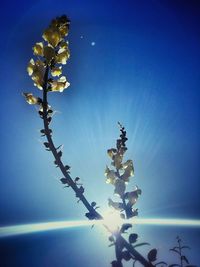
21,229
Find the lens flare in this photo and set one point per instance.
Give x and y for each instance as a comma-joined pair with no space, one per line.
40,227
168,222
112,220
7,231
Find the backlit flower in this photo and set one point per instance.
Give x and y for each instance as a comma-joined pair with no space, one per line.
110,176
38,49
63,55
63,30
30,99
117,160
59,85
128,170
56,71
31,67
49,53
62,23
52,36
36,70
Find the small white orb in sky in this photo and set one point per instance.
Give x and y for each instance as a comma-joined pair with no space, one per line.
93,43
81,36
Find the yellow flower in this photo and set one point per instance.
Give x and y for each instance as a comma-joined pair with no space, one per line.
49,54
31,67
117,160
133,196
56,71
38,74
64,44
128,170
63,55
38,49
111,152
30,99
64,30
59,85
52,36
36,70
110,176
62,23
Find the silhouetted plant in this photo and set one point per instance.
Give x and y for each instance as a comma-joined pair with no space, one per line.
179,250
45,71
119,175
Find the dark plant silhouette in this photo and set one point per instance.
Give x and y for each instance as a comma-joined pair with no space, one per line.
179,250
119,175
45,71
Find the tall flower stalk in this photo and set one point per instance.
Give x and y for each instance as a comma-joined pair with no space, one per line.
46,72
119,175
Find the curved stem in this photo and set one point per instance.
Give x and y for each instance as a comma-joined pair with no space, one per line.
53,149
123,243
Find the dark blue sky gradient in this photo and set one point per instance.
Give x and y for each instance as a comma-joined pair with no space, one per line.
143,71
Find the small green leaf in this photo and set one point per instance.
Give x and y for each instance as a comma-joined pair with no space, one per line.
111,238
50,111
40,113
185,247
93,204
64,180
46,144
58,147
60,154
67,168
125,227
81,190
126,255
133,238
152,255
141,244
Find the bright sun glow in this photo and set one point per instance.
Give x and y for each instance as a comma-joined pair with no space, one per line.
111,222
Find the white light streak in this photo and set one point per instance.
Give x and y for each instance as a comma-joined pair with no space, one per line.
168,222
7,231
39,227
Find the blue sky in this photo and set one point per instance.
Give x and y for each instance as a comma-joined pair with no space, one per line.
142,71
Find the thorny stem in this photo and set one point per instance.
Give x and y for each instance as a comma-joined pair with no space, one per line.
123,243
